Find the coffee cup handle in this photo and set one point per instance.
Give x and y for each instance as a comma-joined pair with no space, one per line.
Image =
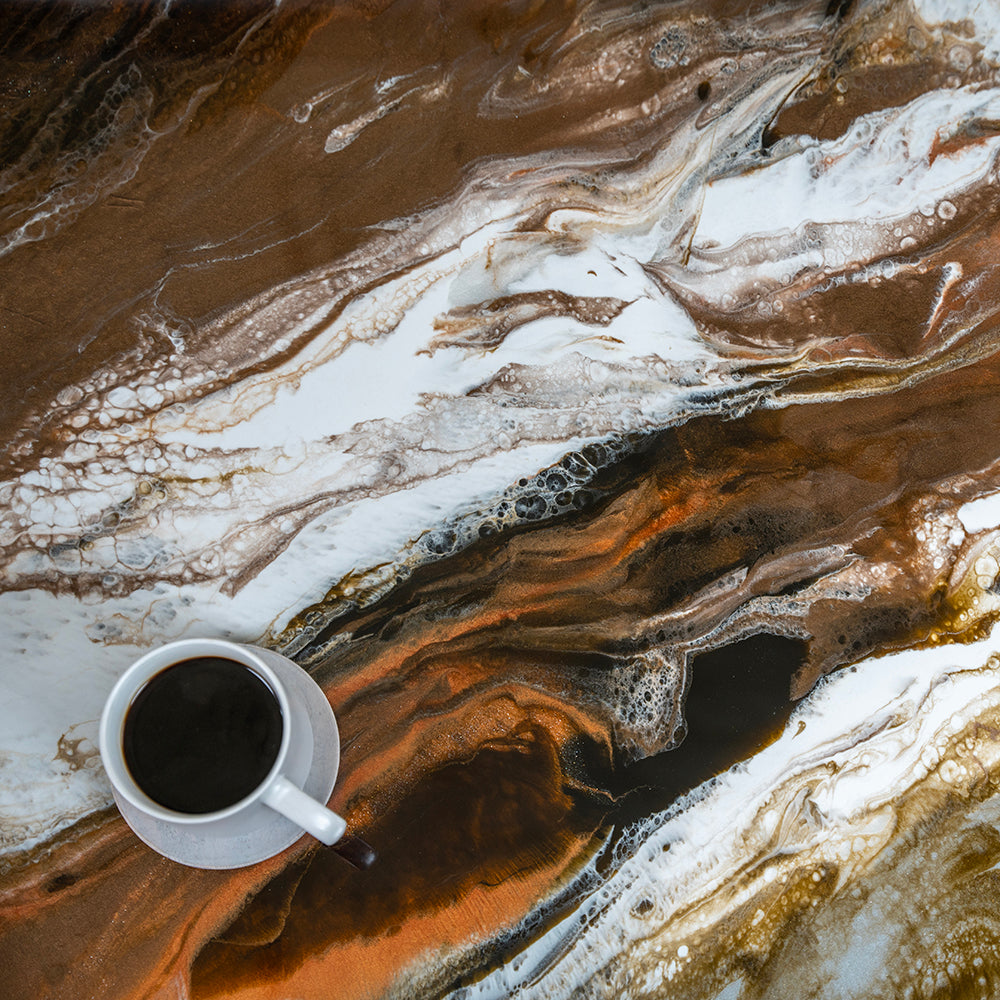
324,824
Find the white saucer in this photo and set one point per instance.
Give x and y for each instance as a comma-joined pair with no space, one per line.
261,832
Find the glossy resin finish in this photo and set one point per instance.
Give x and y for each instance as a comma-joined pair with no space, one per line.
600,400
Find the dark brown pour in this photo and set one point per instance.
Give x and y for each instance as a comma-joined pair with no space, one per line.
202,734
737,704
720,495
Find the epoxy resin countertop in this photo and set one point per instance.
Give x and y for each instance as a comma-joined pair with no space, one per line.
602,402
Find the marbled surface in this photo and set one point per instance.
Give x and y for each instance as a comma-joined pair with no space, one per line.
601,400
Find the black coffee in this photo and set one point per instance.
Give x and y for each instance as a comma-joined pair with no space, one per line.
202,734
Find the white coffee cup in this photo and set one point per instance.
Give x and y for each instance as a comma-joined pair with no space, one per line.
289,800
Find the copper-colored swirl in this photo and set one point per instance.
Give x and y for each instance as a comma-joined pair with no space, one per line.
599,400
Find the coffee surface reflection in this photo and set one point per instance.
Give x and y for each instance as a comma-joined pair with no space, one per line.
202,734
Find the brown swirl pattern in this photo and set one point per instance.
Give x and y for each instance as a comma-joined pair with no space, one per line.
599,400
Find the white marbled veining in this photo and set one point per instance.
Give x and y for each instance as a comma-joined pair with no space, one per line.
823,794
344,456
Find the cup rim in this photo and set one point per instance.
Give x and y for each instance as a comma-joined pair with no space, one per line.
131,682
